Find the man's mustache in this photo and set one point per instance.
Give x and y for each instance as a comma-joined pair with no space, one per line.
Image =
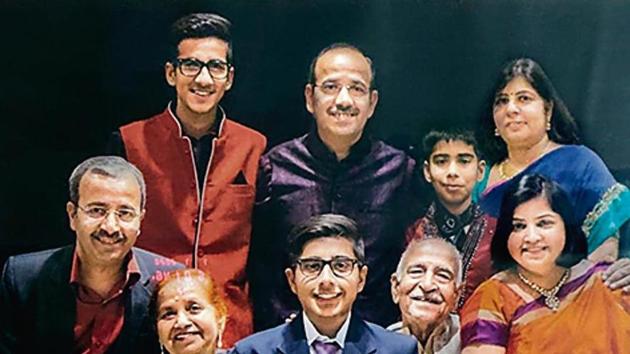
116,236
432,297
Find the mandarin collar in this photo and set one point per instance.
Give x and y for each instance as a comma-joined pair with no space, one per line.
213,132
449,223
318,149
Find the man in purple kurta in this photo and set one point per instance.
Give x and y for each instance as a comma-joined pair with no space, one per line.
334,168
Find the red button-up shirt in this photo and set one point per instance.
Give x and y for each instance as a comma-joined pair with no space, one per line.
99,319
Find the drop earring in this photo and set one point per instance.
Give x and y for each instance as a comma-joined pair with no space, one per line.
219,341
496,131
548,127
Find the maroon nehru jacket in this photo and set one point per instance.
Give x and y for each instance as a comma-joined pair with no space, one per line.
100,319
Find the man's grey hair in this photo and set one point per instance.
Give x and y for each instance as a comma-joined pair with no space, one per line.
400,270
110,166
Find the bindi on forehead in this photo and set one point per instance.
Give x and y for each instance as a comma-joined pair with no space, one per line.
517,85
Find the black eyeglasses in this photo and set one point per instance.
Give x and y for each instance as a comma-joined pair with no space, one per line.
340,266
191,67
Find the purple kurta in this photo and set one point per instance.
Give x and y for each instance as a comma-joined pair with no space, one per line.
376,185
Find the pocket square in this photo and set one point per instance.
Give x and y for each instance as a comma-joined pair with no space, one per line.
240,178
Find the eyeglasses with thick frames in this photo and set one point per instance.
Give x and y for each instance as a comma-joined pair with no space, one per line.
99,213
356,90
340,266
218,69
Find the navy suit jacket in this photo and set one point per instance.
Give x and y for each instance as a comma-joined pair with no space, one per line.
38,306
362,338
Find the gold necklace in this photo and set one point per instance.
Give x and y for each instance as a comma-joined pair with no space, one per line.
504,175
551,299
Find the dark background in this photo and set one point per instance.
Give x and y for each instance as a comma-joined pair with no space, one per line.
74,71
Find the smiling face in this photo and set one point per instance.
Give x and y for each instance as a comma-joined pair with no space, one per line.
105,241
199,96
342,115
453,169
187,322
427,289
537,239
520,114
327,298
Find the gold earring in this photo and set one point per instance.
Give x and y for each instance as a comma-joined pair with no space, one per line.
548,127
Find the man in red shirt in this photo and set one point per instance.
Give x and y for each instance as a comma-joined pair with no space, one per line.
92,297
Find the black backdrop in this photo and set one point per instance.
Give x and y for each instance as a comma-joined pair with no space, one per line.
72,71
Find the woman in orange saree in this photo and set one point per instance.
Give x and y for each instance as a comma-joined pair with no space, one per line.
548,298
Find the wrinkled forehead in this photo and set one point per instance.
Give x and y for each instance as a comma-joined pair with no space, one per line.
343,63
432,255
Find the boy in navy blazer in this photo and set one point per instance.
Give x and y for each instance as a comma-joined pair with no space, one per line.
327,271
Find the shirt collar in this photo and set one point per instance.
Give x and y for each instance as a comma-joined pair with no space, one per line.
215,129
317,147
132,274
449,223
312,334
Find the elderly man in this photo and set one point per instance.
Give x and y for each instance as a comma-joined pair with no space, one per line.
93,296
335,168
426,286
327,272
200,165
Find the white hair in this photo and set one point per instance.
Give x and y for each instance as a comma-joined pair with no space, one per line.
400,269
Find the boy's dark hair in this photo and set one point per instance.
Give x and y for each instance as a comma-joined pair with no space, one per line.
325,225
436,136
199,25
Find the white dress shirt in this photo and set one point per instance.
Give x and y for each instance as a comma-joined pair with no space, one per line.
312,334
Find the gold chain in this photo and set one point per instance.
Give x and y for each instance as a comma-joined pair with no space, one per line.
502,173
550,295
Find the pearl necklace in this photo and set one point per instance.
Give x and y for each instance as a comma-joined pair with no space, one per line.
551,299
